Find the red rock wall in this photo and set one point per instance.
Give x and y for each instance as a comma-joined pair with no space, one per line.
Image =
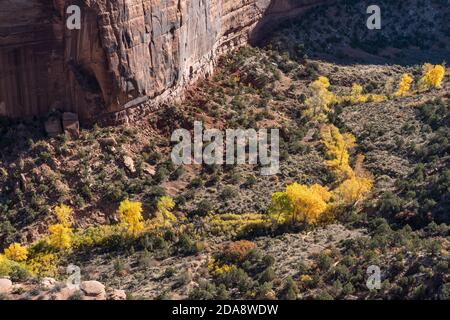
31,64
127,53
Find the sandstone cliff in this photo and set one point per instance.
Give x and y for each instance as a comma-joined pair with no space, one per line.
128,53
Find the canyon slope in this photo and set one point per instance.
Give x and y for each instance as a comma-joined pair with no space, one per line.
127,53
109,199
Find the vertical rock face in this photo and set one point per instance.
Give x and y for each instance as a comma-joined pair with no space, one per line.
31,60
127,52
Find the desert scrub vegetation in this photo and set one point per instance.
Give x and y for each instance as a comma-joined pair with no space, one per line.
321,99
42,257
404,252
88,172
415,266
32,185
421,197
321,104
240,271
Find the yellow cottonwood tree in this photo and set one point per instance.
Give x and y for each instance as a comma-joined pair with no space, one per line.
321,99
64,214
280,207
60,236
404,86
130,216
300,203
16,252
352,190
338,146
355,188
164,216
61,233
432,76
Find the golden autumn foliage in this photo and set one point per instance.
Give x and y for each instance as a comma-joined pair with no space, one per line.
164,216
217,268
60,236
44,265
300,203
16,252
352,190
95,235
320,101
356,187
64,214
229,223
404,86
432,76
61,233
321,83
280,207
358,96
357,90
338,146
130,216
359,170
377,98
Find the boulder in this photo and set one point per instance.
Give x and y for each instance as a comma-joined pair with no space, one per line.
5,286
48,283
93,290
53,126
129,163
23,182
71,125
116,294
149,169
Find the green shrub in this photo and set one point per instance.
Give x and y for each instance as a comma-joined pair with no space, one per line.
290,290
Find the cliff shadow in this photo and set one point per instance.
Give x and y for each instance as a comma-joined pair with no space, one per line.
411,32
